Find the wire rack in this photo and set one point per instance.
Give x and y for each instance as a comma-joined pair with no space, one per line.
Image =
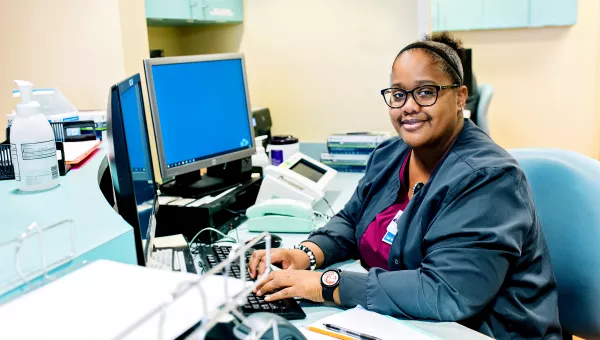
29,279
229,307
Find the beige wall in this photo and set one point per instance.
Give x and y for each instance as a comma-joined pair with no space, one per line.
318,66
79,46
546,83
166,38
69,44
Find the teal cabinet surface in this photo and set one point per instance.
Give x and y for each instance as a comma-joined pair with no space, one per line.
168,9
223,10
460,15
190,12
505,13
197,9
553,12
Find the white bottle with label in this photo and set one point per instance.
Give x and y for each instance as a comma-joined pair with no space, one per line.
32,144
260,158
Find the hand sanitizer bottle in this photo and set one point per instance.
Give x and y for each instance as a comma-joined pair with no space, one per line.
260,158
33,148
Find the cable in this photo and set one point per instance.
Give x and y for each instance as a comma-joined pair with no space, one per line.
322,216
329,205
211,229
240,212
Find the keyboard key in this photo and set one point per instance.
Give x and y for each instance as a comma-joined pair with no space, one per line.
211,256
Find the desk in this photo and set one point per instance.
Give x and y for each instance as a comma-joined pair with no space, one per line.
340,191
101,233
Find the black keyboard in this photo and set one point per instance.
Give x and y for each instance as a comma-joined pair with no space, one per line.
210,256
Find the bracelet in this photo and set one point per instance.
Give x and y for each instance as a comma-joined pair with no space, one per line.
311,256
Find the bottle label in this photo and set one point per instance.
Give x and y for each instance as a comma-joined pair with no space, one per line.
276,157
39,150
38,162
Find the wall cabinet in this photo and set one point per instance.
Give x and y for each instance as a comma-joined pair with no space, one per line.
190,12
462,15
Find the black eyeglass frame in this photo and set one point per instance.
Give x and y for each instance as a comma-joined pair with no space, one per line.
411,92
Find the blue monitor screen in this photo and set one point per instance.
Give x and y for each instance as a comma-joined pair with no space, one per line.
139,154
203,109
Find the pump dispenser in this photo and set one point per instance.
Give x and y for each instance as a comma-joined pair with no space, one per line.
32,144
260,158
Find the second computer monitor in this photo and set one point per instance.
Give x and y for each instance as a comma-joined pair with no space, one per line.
201,111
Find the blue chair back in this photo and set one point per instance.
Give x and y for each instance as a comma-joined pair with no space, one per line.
566,190
486,92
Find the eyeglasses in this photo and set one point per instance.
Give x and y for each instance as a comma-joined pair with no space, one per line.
425,95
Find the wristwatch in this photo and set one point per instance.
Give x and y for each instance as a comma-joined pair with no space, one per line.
330,279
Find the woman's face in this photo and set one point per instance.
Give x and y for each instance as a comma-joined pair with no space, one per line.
425,126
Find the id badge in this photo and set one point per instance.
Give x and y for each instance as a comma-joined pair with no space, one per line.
392,229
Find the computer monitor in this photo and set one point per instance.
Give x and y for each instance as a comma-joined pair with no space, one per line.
200,111
131,163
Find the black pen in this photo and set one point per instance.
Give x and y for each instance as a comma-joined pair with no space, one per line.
349,332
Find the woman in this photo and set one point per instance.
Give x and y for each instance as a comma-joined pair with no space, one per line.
443,219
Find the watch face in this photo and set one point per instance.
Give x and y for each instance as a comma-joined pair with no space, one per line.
330,278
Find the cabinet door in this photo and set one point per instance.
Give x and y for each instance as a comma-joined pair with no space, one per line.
505,13
553,12
460,15
223,10
168,9
197,9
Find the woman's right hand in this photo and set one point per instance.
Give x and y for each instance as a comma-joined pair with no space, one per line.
285,258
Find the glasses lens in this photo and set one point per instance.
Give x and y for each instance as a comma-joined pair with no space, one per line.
395,97
426,95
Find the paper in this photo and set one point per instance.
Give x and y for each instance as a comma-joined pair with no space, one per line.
173,241
361,320
102,299
182,202
75,152
164,200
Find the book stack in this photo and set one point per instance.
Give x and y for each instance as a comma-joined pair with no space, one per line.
349,152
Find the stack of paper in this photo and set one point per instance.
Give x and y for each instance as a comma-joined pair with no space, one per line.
76,152
102,299
366,322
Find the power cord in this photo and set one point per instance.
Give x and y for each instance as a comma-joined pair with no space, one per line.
239,212
225,236
329,205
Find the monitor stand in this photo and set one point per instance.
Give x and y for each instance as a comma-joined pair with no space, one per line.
217,179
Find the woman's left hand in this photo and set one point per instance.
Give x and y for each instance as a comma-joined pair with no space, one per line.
293,283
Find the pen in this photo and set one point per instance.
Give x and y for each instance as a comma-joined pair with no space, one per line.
349,332
328,333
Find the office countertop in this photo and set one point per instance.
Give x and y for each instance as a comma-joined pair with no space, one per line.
338,193
78,197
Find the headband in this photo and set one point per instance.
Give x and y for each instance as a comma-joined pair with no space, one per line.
438,51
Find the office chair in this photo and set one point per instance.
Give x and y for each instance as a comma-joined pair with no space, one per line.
566,190
486,92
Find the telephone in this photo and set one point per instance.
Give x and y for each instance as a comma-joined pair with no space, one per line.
300,178
282,215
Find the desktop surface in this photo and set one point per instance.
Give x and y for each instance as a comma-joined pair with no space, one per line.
100,233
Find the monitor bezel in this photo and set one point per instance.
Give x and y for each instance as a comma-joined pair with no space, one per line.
165,172
122,176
